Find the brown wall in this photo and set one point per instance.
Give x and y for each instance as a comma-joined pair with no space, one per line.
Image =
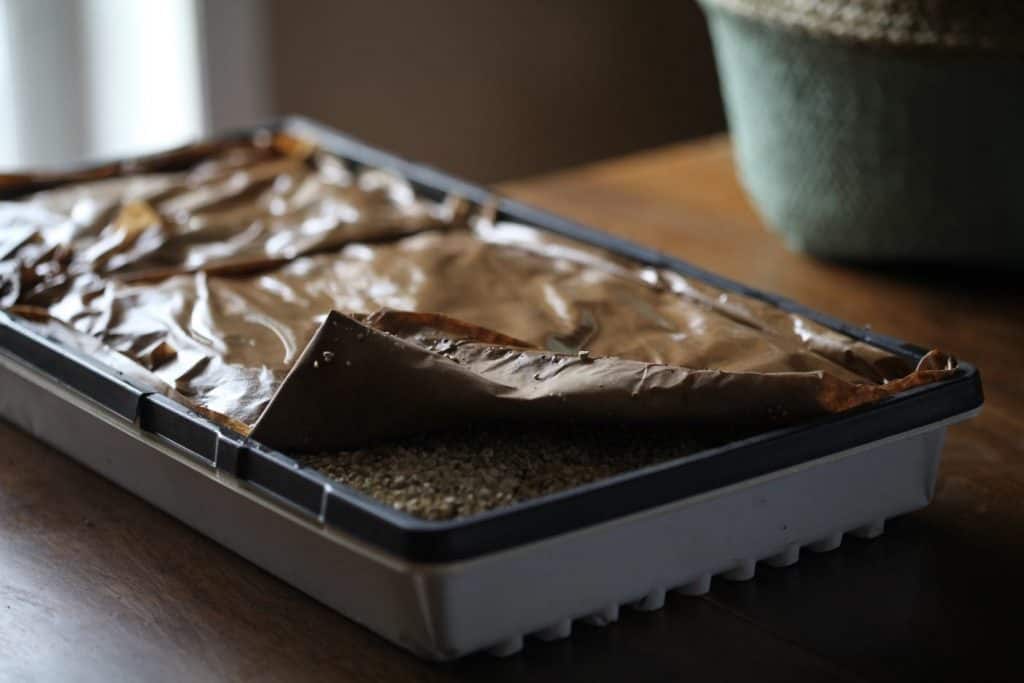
493,90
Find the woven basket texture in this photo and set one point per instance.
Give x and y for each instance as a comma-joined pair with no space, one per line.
973,25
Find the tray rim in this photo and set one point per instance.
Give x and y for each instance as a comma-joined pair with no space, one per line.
338,506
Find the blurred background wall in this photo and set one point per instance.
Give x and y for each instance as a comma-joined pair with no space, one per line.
486,89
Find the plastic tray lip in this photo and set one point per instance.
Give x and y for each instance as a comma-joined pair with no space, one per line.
416,539
87,375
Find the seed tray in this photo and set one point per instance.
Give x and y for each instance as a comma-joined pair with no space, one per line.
443,589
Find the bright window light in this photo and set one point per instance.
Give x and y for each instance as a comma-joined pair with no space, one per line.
142,74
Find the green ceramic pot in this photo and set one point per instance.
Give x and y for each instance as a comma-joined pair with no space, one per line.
860,152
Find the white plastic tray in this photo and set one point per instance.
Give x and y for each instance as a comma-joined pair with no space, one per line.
445,589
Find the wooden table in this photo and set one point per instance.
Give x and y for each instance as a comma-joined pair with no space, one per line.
97,585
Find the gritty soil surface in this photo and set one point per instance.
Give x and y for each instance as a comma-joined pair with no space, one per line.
457,474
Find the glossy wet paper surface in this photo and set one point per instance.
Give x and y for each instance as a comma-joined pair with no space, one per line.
215,278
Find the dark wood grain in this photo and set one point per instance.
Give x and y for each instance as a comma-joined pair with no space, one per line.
96,585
